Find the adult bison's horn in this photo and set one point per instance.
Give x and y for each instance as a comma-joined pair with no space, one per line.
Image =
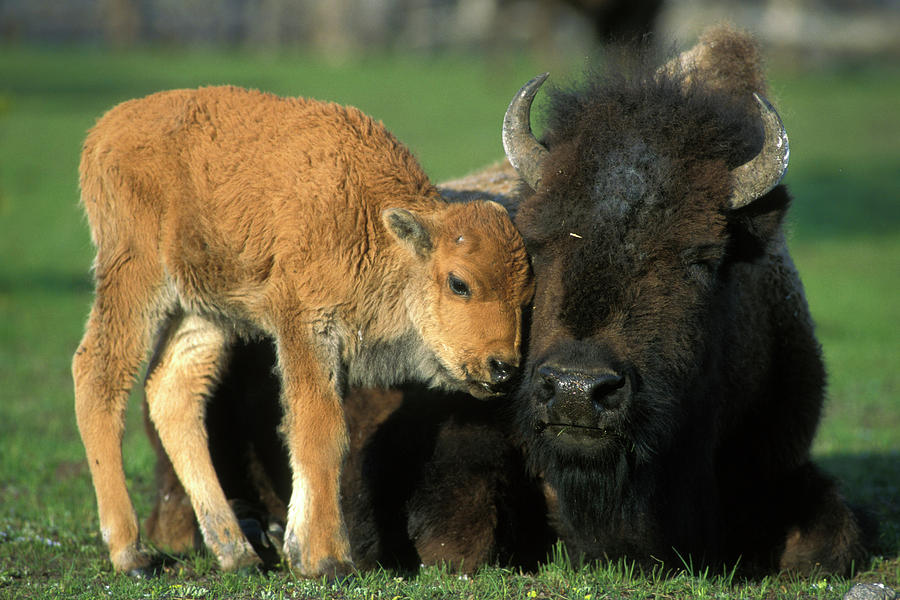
762,173
522,149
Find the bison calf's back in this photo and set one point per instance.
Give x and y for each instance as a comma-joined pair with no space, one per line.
220,213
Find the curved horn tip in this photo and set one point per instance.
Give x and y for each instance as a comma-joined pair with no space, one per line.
772,122
522,150
762,173
535,82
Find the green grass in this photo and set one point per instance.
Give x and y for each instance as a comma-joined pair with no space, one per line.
845,235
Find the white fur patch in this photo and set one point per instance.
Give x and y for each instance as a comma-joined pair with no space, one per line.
298,515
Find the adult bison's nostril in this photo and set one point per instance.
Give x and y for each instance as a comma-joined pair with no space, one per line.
549,380
501,372
604,388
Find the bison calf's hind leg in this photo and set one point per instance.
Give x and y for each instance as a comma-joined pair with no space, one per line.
185,366
115,342
316,541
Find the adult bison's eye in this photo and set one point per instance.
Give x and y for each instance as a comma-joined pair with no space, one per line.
458,286
703,260
708,256
703,266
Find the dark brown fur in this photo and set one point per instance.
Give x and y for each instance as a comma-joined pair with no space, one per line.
673,382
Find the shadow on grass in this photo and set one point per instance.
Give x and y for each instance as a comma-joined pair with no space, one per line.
46,282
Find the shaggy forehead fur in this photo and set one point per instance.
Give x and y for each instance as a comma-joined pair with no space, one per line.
638,177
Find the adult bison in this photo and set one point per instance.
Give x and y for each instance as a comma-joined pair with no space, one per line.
672,382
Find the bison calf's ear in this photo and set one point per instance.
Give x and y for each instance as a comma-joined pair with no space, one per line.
409,230
498,207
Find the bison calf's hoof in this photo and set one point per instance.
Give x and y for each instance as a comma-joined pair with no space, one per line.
150,570
135,562
330,568
246,561
336,570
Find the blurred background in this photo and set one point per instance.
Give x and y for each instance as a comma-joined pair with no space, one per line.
811,28
440,74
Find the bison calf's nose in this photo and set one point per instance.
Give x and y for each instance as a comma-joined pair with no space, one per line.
501,372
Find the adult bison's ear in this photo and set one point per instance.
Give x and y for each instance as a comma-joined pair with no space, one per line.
409,230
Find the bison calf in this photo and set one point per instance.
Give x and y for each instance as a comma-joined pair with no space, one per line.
222,213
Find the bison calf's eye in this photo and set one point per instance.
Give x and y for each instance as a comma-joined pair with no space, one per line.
458,286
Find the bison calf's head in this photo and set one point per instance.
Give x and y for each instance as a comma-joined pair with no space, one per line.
475,280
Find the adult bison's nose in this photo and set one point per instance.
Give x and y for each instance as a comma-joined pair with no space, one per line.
501,371
573,395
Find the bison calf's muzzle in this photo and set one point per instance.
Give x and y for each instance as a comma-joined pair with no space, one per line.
496,378
501,372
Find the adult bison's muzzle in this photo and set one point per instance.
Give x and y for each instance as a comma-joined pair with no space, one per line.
581,401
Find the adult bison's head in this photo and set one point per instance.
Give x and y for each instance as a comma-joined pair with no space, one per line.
647,193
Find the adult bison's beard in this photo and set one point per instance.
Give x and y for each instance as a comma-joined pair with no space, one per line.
604,484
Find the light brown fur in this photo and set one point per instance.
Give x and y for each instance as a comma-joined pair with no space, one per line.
726,59
222,212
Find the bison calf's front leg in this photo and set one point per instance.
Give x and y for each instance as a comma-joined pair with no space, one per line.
185,365
316,540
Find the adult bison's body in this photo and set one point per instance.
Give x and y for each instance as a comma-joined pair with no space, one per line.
672,382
